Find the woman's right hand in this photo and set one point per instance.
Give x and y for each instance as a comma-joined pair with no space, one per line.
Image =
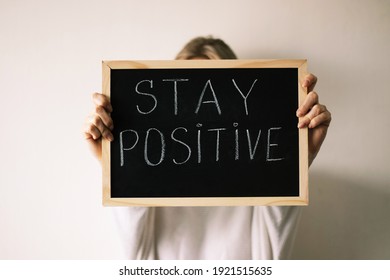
99,124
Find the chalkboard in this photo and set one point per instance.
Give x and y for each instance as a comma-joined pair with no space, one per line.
210,132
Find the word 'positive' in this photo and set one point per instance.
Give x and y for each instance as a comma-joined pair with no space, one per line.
129,140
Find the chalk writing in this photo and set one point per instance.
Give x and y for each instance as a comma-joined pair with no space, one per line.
207,89
130,144
146,147
175,91
181,142
146,94
215,100
122,148
272,144
243,95
179,135
252,150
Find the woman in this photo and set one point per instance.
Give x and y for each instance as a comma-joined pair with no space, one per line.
245,232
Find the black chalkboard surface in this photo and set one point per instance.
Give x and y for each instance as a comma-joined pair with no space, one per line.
205,133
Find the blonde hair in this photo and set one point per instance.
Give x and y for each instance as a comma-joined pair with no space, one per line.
207,48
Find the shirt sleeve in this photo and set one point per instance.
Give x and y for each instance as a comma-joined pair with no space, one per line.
136,227
274,230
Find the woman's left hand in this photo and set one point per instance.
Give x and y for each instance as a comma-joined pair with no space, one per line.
314,116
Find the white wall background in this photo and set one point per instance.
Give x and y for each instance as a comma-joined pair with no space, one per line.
50,63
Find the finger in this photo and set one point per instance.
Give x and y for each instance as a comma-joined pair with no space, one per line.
304,122
98,123
310,100
91,131
322,119
102,100
309,82
104,116
310,119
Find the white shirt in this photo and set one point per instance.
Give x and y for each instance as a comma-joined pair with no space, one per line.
245,232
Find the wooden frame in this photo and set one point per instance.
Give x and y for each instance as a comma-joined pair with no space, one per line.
302,199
